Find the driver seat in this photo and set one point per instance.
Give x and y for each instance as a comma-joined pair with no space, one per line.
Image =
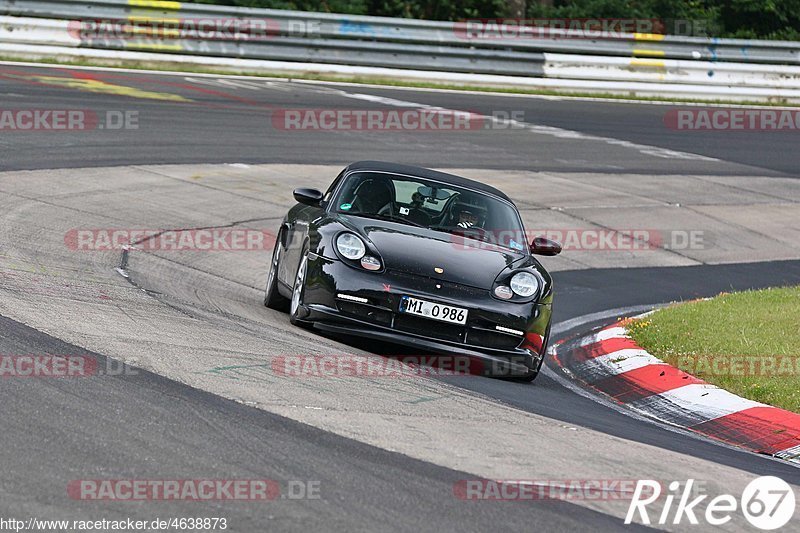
372,195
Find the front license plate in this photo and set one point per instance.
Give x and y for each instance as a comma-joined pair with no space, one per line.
432,310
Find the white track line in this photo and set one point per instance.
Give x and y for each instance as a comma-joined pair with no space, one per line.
551,131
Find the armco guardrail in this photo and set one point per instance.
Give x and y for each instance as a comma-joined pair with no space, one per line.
444,35
70,28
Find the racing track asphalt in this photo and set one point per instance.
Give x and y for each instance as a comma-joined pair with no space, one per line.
229,123
56,431
125,419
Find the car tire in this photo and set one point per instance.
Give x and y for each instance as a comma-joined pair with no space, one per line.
272,297
528,377
296,309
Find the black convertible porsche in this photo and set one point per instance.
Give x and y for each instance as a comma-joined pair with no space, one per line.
417,257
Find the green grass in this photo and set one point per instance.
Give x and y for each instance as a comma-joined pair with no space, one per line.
746,342
177,67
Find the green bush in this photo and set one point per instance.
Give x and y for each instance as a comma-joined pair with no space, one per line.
428,10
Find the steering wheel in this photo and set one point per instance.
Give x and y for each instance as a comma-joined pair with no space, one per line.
481,234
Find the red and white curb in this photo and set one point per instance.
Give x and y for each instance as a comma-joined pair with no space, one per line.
610,362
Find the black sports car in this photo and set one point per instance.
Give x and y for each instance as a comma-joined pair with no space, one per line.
420,258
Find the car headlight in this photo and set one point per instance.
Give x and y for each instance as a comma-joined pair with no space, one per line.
350,246
370,263
524,284
501,291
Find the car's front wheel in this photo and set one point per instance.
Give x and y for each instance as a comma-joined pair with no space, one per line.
528,377
296,309
272,297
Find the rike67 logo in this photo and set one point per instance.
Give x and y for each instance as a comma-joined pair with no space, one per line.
768,503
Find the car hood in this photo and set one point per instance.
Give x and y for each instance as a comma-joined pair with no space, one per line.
420,251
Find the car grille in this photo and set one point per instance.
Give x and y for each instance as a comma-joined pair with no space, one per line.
367,313
429,328
426,327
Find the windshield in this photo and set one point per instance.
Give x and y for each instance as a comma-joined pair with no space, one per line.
431,204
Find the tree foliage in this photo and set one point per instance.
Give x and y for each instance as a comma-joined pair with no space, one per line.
770,19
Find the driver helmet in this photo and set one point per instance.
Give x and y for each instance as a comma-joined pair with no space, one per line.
469,212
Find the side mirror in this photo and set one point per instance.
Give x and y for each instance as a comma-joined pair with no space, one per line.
310,197
544,246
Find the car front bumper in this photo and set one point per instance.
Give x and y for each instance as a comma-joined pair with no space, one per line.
334,301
